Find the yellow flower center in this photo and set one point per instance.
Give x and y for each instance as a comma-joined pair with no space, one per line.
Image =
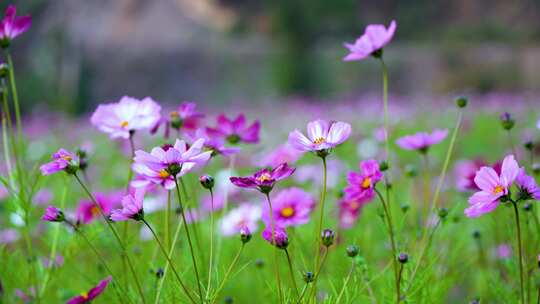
354,205
66,157
287,212
94,210
174,114
84,295
124,124
163,173
366,183
319,140
498,189
264,177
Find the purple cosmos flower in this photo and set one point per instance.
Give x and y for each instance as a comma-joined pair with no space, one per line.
12,26
283,154
128,115
185,117
291,207
465,171
213,142
322,136
63,160
53,214
264,179
360,185
528,186
88,211
349,211
87,297
492,186
375,37
246,215
132,207
163,164
236,130
421,141
280,239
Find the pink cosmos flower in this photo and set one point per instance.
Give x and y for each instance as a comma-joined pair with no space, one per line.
528,186
492,186
236,130
88,211
375,37
128,115
163,164
503,251
283,154
280,240
213,142
322,136
52,214
185,117
421,141
62,160
132,207
246,215
349,211
12,26
264,179
465,171
87,297
291,207
360,185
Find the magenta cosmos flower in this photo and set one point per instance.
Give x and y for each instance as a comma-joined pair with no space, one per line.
492,186
63,160
236,130
87,211
132,207
361,185
349,211
280,239
265,179
421,141
291,207
87,297
185,117
163,164
53,214
122,118
212,142
321,136
12,26
527,185
375,37
246,215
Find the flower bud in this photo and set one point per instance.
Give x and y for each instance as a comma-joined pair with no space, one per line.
308,276
527,207
207,181
259,263
174,169
383,166
536,168
159,273
405,207
507,121
245,234
327,237
4,70
462,101
53,214
403,258
228,300
176,120
476,234
411,170
529,145
83,160
475,301
443,212
352,250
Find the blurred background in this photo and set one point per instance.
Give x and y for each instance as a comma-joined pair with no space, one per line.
217,52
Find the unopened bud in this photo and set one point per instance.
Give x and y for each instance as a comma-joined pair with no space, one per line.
462,101
507,121
352,250
327,237
403,258
383,166
245,234
308,276
207,181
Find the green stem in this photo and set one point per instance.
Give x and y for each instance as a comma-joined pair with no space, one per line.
211,258
385,109
169,262
317,273
349,275
116,236
15,98
520,257
182,213
302,293
427,187
273,230
399,284
228,273
320,223
289,261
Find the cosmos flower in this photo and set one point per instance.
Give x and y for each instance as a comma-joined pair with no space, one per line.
492,186
185,117
349,211
12,26
291,207
163,164
528,186
280,240
282,154
63,160
421,141
264,179
132,207
128,115
375,37
236,130
87,297
212,142
53,214
503,251
322,136
311,173
245,215
87,211
361,185
465,171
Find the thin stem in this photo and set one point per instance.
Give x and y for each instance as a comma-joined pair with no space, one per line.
168,259
116,236
427,186
400,276
273,229
130,170
349,275
511,142
518,234
211,258
189,240
321,216
168,221
392,239
385,109
15,98
302,293
226,277
317,273
289,261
